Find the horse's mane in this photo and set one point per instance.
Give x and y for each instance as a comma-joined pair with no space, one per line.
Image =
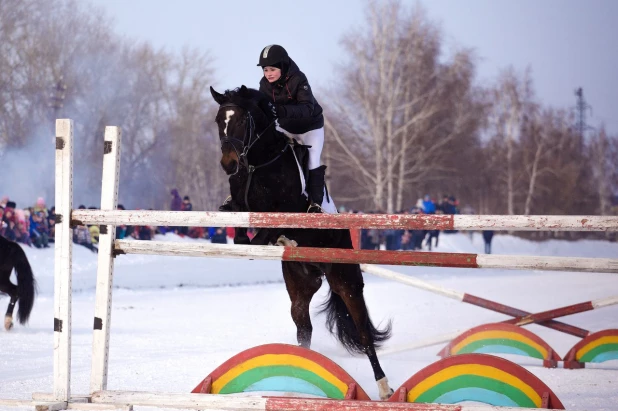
249,99
245,97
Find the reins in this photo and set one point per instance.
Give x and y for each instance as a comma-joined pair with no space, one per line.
243,159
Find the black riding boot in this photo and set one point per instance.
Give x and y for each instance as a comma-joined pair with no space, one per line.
316,189
227,204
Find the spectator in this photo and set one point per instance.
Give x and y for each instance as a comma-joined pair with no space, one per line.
433,234
196,232
81,236
39,232
2,223
488,235
94,230
20,229
186,206
40,206
428,205
218,235
144,232
176,204
51,224
121,230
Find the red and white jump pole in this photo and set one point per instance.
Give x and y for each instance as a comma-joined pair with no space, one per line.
346,221
337,255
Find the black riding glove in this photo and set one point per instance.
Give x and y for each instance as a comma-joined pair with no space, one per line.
281,112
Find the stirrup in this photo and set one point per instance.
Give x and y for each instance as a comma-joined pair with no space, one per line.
315,208
227,204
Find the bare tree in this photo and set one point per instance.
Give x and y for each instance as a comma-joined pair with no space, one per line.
399,107
109,81
603,150
513,103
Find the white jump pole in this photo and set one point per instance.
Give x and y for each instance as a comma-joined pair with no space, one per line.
63,248
105,266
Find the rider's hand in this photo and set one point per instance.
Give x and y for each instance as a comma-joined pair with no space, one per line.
269,108
280,111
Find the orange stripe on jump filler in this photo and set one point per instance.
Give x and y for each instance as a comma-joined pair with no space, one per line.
336,255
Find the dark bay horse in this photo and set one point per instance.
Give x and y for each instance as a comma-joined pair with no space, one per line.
12,256
263,177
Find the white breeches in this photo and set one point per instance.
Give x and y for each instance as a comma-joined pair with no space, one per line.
313,138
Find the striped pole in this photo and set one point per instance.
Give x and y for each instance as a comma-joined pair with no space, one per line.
468,298
347,221
337,255
563,311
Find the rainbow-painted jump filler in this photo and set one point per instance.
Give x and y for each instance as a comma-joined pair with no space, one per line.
288,370
502,338
597,347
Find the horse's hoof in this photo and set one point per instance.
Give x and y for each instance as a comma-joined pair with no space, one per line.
383,388
244,240
8,323
286,242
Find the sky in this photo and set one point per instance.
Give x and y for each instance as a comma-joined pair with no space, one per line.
567,43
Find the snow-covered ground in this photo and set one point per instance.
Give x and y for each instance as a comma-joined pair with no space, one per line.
175,319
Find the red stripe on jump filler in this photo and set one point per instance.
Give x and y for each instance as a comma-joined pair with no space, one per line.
337,255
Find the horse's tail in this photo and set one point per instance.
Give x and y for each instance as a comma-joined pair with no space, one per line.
26,284
340,324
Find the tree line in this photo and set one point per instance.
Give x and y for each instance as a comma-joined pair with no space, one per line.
405,118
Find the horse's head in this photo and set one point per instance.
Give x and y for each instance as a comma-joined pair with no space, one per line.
241,120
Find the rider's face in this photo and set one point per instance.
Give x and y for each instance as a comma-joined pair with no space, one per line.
272,74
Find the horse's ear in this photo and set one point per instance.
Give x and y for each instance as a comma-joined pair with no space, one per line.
219,98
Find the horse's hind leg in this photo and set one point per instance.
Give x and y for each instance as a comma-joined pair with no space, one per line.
346,282
10,289
302,281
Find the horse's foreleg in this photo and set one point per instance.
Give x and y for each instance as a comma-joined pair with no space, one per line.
301,286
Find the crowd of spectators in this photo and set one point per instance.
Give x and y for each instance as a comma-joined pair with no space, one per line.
410,240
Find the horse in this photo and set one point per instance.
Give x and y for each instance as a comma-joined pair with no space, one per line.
264,176
13,256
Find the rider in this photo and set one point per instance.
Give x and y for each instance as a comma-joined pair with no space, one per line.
298,113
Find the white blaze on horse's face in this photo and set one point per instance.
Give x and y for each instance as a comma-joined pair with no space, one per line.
228,116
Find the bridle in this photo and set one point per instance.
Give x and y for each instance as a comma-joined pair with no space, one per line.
246,144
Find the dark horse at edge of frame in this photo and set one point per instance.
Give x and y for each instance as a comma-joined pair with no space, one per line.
13,256
264,177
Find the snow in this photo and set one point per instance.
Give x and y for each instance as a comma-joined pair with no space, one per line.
175,319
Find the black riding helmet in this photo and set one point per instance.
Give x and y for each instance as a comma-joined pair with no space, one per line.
273,54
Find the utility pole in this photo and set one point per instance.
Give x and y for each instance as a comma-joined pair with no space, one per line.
56,102
581,108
